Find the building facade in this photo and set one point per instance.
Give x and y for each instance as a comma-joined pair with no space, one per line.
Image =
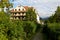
19,13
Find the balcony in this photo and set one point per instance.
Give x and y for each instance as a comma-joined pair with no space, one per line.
11,17
18,14
24,14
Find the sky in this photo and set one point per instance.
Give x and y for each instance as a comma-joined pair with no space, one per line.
44,8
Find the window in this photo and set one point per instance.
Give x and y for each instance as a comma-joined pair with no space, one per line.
15,17
24,18
15,9
19,13
19,17
23,13
23,9
15,13
19,9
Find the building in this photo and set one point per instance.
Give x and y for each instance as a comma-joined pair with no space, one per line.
38,19
19,13
5,9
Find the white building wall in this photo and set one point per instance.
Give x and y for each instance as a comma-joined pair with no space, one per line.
38,19
19,7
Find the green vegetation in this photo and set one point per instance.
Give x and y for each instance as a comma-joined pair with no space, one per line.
24,30
31,15
56,16
5,3
16,30
52,26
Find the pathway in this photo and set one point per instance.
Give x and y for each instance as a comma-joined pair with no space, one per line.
38,36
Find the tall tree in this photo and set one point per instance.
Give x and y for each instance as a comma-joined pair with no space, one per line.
56,16
31,15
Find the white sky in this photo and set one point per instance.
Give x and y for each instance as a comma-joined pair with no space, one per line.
45,8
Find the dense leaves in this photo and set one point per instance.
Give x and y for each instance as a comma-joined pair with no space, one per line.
5,3
56,16
31,15
16,30
52,27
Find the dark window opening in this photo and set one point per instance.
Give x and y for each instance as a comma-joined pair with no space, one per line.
19,13
19,9
23,9
15,13
15,9
19,17
22,13
15,17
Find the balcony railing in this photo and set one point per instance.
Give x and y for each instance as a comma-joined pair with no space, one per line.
18,14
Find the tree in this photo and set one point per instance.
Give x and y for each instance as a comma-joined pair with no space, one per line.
17,30
56,16
29,29
5,3
31,15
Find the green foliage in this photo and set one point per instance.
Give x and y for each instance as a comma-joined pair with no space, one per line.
3,28
52,31
56,16
5,3
29,29
15,30
54,26
3,37
31,15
